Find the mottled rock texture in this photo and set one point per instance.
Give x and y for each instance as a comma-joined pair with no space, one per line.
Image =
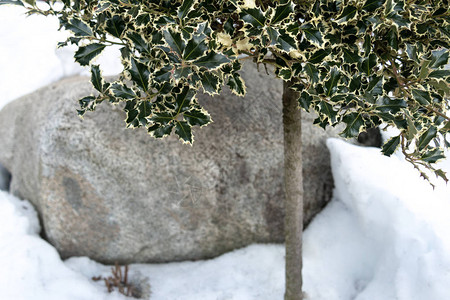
113,193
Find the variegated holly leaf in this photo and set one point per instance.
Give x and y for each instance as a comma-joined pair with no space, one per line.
85,54
78,27
360,63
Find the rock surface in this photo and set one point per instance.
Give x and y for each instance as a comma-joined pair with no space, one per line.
113,193
5,179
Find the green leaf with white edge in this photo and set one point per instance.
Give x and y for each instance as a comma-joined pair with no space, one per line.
101,8
441,87
297,68
439,58
197,117
343,98
423,97
182,72
445,31
312,72
367,65
183,99
305,100
145,109
372,5
139,74
426,137
348,13
86,102
130,105
273,35
175,41
187,32
227,69
312,34
237,66
433,155
254,17
85,54
439,74
351,56
210,83
13,2
122,91
375,85
185,8
440,173
391,145
367,45
355,83
157,38
411,51
96,79
286,42
162,118
392,37
327,111
285,74
424,69
332,82
160,131
30,2
354,122
138,41
389,7
411,131
236,84
386,104
318,56
446,127
184,132
125,55
212,60
195,48
78,27
132,120
163,75
282,12
115,26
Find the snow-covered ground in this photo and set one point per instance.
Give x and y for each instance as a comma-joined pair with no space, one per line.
385,235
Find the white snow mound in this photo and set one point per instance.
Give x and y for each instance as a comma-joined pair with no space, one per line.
31,268
385,235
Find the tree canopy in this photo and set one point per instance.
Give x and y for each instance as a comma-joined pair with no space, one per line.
361,63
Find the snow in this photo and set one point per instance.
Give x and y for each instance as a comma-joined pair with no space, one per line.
385,234
33,270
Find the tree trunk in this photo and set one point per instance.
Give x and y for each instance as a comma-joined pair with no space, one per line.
293,179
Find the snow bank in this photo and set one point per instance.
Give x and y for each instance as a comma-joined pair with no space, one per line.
31,268
386,234
255,272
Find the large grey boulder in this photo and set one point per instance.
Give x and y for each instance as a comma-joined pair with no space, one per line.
112,193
